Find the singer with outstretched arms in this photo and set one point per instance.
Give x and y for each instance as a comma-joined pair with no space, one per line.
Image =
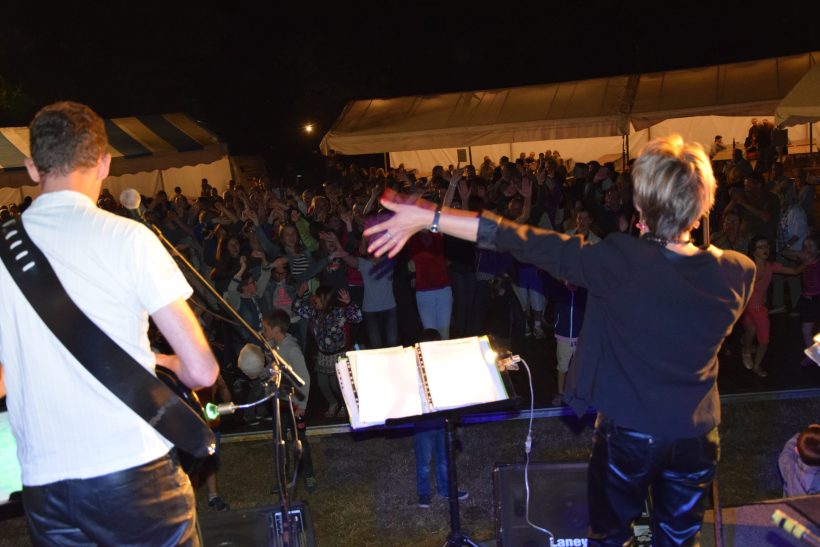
93,470
658,310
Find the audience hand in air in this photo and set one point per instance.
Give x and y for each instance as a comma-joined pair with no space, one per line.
344,297
410,215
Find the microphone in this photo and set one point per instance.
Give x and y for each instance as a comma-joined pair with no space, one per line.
131,199
794,528
212,411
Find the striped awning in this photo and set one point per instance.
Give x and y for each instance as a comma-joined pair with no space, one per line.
137,144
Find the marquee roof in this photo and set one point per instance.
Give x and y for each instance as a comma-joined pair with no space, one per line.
580,109
136,144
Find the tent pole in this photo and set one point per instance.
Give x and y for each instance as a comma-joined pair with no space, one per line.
470,154
386,162
811,141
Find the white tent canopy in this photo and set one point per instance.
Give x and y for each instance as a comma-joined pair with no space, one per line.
589,108
583,119
802,104
148,153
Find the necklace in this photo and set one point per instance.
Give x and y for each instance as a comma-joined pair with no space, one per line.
663,242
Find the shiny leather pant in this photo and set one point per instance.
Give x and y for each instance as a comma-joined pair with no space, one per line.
626,463
151,504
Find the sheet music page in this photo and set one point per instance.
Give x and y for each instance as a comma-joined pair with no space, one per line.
388,384
346,385
458,373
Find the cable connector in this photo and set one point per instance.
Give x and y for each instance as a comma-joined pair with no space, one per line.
528,444
509,363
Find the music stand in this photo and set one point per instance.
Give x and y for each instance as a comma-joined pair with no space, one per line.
457,537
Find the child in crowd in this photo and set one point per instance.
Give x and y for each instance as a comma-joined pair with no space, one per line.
329,311
429,442
275,326
799,463
756,317
809,304
570,303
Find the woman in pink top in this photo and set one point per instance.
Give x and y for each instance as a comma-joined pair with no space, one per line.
756,317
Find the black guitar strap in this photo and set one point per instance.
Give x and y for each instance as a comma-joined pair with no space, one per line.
135,386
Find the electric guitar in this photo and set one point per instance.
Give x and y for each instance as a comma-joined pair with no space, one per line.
189,463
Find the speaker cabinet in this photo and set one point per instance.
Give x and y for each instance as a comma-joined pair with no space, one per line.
558,502
256,526
780,137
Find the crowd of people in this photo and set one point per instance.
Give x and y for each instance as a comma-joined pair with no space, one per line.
299,248
479,251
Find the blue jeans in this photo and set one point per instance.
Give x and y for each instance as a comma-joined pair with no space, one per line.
435,309
382,328
625,463
151,504
428,442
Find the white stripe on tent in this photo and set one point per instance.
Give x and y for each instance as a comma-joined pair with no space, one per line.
142,134
192,129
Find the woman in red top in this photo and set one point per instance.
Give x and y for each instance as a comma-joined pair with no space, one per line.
434,296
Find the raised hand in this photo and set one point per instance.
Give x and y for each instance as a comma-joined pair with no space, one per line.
344,297
411,215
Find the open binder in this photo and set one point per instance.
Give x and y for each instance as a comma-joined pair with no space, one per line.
398,382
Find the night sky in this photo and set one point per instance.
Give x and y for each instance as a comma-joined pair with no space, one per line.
256,72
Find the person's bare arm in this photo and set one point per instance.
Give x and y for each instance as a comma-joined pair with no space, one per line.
2,382
193,362
412,216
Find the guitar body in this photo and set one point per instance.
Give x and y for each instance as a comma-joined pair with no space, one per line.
190,464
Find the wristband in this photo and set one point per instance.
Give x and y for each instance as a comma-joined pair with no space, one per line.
434,226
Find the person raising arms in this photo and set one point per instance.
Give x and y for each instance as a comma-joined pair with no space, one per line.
658,310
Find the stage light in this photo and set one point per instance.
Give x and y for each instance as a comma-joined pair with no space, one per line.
308,128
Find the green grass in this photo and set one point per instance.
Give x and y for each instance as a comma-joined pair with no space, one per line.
367,493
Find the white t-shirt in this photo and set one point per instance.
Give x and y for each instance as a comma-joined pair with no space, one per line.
68,425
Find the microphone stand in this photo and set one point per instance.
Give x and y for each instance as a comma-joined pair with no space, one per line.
279,362
280,366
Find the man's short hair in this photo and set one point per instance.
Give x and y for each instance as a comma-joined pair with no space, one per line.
66,136
808,445
277,318
674,185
